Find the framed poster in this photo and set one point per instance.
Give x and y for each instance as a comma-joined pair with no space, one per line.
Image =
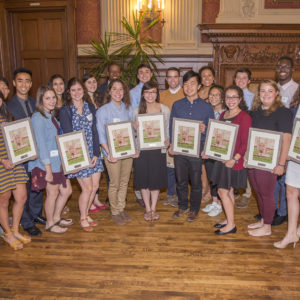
151,131
263,150
186,137
294,151
220,140
19,141
73,151
120,138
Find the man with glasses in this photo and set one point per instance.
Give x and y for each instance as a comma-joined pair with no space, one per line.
288,87
168,97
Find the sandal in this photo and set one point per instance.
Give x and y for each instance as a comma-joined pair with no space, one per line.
87,228
64,222
92,222
52,229
154,215
16,245
25,239
148,216
102,206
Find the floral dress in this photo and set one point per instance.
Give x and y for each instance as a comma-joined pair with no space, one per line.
85,122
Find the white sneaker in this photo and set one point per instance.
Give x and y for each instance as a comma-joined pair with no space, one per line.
209,207
216,210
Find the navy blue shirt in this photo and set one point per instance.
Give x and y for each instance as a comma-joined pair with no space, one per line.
199,110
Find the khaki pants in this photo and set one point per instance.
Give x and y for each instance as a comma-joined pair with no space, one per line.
248,191
119,174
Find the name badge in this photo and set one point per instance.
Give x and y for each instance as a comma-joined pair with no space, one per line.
116,120
90,117
53,153
284,99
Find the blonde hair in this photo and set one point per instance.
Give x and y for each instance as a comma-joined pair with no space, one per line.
257,102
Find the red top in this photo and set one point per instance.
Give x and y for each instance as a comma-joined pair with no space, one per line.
245,122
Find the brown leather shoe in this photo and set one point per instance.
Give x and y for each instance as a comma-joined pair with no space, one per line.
192,216
118,219
179,213
244,202
126,217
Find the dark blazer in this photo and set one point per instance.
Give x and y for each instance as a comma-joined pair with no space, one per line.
16,109
101,90
65,117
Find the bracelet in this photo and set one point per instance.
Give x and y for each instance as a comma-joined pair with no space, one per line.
280,165
235,160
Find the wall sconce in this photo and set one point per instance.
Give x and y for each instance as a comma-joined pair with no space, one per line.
152,9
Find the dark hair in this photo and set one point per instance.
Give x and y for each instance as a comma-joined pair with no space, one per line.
126,97
55,76
173,69
240,92
243,70
22,70
147,86
189,74
68,99
3,79
39,98
97,96
221,90
287,58
143,65
257,101
207,68
113,64
4,111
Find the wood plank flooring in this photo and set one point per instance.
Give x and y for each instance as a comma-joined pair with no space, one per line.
167,259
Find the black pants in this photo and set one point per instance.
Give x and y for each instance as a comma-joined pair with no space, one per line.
188,169
209,164
33,205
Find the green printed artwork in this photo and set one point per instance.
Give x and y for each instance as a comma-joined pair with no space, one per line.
186,137
20,141
263,150
297,143
73,152
121,140
220,141
151,131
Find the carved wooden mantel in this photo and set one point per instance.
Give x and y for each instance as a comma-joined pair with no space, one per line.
256,46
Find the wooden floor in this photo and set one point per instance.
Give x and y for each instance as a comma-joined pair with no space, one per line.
168,259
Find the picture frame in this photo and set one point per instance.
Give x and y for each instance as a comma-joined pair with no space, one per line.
73,151
220,140
151,132
294,150
19,141
263,149
186,137
121,141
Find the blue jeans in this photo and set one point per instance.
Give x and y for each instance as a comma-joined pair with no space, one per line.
171,181
280,190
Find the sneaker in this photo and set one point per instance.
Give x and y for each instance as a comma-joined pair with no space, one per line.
174,201
118,219
209,207
167,199
216,210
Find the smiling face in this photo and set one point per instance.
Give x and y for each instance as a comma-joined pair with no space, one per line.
4,89
144,75
242,80
49,101
22,83
114,72
116,92
150,95
284,71
76,92
173,79
207,77
267,95
215,98
232,99
91,85
191,87
58,86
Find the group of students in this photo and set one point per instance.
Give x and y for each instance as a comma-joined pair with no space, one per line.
82,105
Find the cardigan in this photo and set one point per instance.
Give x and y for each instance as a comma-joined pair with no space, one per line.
244,121
65,117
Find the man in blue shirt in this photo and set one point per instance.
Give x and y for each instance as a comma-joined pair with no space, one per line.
189,168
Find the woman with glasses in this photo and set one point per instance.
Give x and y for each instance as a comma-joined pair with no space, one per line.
150,168
231,174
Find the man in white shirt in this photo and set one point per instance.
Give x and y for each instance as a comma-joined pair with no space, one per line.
288,87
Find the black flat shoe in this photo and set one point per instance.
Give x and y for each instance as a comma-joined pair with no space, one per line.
219,232
218,225
33,231
40,220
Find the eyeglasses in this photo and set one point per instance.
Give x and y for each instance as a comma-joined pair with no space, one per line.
279,67
150,92
232,97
